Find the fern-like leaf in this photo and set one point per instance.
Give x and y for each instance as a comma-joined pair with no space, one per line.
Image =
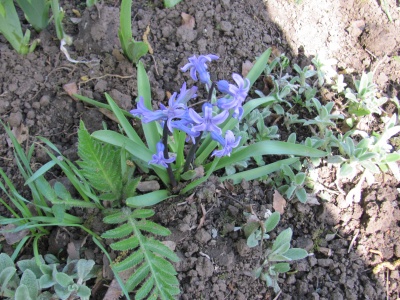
100,163
154,276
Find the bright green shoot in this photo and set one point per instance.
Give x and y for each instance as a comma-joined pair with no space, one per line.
36,12
132,49
10,27
58,15
171,3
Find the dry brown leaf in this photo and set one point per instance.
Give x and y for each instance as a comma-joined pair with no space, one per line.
279,203
13,237
188,21
71,89
108,114
246,67
114,291
146,40
21,133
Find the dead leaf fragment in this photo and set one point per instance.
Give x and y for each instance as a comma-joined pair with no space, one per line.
114,291
13,237
188,21
278,203
21,133
145,39
246,67
71,89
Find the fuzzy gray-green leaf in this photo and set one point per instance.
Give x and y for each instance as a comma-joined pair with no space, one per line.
29,280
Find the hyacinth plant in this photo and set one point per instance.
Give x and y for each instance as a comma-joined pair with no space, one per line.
210,133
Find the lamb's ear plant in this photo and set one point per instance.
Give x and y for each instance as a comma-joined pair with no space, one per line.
132,49
44,281
277,258
10,27
364,100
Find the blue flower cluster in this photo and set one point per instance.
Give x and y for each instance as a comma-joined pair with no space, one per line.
179,116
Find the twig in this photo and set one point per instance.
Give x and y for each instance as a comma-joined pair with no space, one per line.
277,296
203,218
353,240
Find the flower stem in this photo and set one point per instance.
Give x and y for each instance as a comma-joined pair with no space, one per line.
166,155
192,151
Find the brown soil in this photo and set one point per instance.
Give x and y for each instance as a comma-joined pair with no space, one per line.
215,263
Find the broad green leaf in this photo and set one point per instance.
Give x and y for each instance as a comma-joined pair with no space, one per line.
272,221
259,172
171,3
36,12
150,129
299,178
268,148
301,195
283,238
296,254
281,267
28,279
148,199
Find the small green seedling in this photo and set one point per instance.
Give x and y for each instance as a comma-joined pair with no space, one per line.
364,101
295,184
10,27
277,259
132,49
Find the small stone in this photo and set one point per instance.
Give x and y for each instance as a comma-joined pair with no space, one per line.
203,236
36,105
15,119
45,100
325,262
242,248
148,186
31,114
304,243
226,26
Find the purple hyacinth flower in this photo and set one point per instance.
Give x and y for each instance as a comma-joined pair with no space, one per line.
228,143
208,122
177,107
146,114
236,94
198,64
186,127
159,158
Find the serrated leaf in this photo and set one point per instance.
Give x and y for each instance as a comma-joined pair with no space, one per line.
142,213
100,162
160,249
116,218
137,277
145,289
126,244
129,262
119,232
152,227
